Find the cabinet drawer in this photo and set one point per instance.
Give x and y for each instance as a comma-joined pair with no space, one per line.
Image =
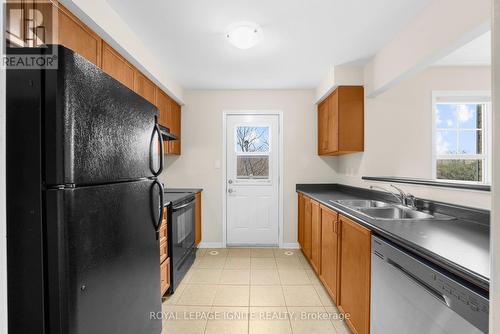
163,250
165,276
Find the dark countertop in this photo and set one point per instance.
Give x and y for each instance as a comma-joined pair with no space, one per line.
175,195
183,190
461,246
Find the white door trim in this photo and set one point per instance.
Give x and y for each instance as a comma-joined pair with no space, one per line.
225,114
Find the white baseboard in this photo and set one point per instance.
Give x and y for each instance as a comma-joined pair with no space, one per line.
291,245
210,245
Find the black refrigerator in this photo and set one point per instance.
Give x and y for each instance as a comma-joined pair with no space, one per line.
83,201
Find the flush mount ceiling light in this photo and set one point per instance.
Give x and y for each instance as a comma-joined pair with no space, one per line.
244,35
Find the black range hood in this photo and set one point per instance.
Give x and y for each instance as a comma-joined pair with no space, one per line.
166,134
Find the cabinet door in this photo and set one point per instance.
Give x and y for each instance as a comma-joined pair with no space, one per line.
329,251
164,104
323,127
333,123
164,276
144,87
300,220
355,265
197,221
116,66
175,122
76,36
315,236
307,227
15,22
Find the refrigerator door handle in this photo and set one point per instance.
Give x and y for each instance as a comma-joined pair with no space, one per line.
160,214
160,140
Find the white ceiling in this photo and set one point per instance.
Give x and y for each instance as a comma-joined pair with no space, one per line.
302,39
475,53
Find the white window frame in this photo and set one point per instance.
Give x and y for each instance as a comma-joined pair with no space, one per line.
465,97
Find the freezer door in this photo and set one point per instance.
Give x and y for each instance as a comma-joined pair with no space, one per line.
103,259
96,129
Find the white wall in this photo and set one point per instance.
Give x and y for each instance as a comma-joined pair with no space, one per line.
398,133
426,39
202,147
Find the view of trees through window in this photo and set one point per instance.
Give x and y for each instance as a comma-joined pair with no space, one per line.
252,149
460,133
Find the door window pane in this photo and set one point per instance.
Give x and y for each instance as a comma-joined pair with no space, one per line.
463,170
252,167
252,139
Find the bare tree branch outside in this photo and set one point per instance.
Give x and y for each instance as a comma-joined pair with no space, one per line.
252,140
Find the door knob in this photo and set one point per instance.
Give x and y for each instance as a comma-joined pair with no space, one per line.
230,190
230,181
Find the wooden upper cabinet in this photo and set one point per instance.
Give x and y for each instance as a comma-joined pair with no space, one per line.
175,128
164,104
197,218
355,271
341,121
15,22
116,66
144,87
300,220
329,251
307,227
315,236
75,35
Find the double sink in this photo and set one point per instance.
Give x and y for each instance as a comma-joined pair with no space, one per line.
390,211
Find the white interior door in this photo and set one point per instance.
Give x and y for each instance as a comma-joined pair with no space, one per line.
252,180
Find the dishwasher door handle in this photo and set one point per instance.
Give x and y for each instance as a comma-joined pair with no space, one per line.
433,292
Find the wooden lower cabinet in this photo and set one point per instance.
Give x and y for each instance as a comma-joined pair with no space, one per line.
165,276
355,271
307,228
329,251
300,220
197,218
164,256
315,236
339,250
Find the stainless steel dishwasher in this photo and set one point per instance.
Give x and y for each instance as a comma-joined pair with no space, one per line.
412,296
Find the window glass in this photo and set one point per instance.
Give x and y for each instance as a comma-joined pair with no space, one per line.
252,167
460,170
461,139
252,139
446,142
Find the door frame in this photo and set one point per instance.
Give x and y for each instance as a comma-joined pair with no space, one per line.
225,114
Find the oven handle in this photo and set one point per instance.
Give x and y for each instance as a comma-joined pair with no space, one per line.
175,208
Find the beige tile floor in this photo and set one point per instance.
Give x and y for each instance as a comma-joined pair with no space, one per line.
256,291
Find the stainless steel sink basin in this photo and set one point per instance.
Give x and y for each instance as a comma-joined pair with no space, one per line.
401,213
389,211
361,203
395,213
